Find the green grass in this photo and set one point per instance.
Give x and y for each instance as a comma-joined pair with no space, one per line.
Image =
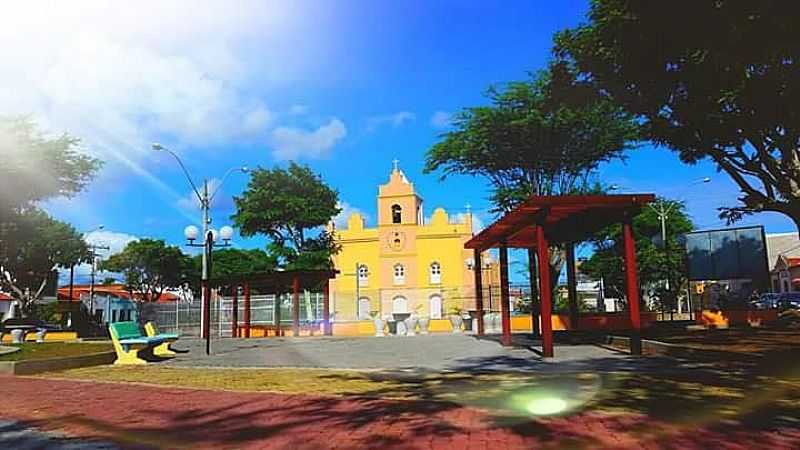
46,350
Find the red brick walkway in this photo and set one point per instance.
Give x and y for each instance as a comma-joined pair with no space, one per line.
171,418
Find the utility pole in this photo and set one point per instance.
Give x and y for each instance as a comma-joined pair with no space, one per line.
93,253
663,209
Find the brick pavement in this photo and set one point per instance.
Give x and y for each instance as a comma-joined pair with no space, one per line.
139,416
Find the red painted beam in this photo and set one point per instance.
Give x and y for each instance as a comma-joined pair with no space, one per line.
632,284
545,292
247,310
478,268
296,307
534,291
505,307
235,312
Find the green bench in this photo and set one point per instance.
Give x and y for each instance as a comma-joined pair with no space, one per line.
130,343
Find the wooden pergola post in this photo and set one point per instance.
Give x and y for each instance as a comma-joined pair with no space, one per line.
295,307
247,310
326,309
235,312
632,285
478,268
572,287
532,275
505,307
545,291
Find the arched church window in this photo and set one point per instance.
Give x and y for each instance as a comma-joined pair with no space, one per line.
397,214
363,275
436,273
399,274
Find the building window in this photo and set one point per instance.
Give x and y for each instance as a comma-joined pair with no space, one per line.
399,274
436,273
363,275
397,214
399,305
436,306
363,308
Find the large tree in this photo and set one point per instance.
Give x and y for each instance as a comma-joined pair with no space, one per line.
715,80
150,267
37,167
661,264
543,136
32,246
290,206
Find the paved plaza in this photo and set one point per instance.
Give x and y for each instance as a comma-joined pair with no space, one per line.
423,352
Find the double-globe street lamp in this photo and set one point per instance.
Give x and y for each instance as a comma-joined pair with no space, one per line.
209,237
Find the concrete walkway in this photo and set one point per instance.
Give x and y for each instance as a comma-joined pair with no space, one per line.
431,352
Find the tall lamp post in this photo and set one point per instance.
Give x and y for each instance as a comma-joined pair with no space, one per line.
209,236
208,245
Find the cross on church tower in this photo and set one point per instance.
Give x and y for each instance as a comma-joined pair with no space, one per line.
395,165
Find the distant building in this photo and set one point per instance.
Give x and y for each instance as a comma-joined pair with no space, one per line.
112,303
783,255
404,265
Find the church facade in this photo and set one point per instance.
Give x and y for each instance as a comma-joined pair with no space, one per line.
403,265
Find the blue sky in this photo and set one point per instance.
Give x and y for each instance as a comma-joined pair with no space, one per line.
343,86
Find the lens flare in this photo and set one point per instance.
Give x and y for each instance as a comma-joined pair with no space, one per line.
546,406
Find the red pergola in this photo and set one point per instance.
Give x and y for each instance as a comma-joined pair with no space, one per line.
544,220
278,282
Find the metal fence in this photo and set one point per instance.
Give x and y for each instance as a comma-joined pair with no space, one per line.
185,318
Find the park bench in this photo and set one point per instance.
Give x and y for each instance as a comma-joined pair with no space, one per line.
26,326
130,344
164,349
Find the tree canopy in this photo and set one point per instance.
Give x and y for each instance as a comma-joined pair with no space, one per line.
232,261
37,167
289,206
656,261
149,267
718,80
32,246
543,136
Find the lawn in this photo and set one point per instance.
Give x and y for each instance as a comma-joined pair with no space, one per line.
45,350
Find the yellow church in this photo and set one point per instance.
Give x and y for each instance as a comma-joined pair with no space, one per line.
404,266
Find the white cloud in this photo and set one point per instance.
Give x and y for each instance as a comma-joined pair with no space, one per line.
298,110
347,210
289,143
115,241
441,119
394,120
257,120
123,75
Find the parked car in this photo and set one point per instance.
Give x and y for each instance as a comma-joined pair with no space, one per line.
765,301
782,301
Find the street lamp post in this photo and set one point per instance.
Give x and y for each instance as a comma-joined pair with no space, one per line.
208,245
209,236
